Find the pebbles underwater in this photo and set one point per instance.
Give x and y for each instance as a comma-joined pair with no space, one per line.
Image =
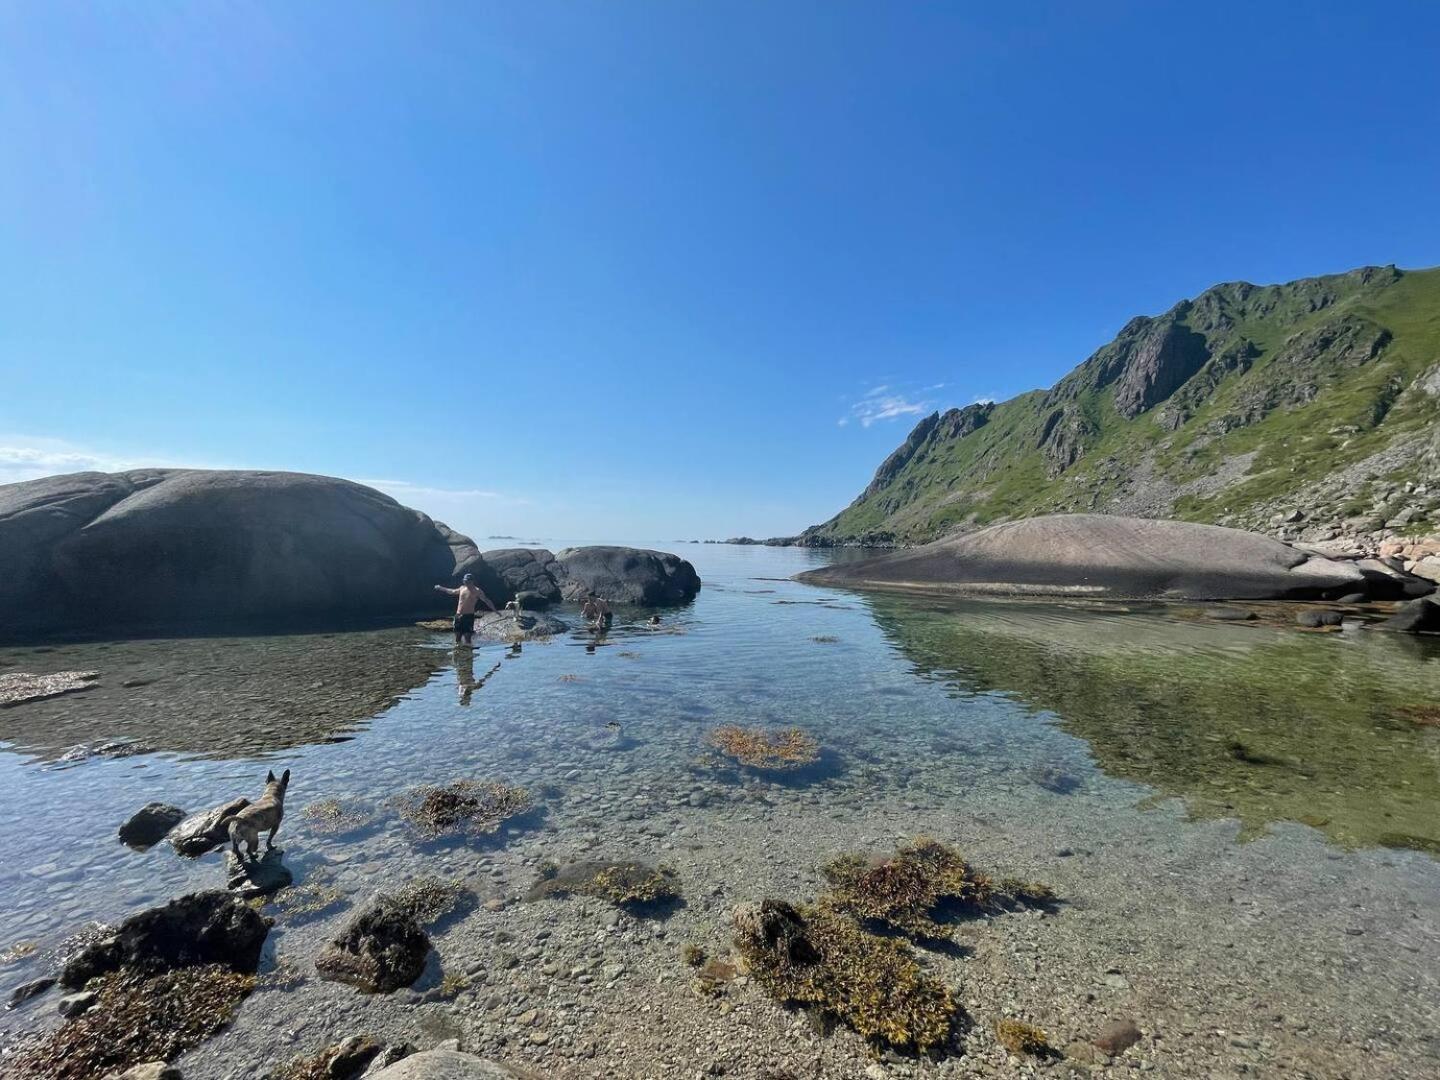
1070,747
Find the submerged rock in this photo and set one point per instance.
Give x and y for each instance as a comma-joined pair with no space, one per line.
206,830
475,806
1416,617
633,885
151,1070
1117,1036
380,950
1103,556
149,825
26,991
509,626
198,929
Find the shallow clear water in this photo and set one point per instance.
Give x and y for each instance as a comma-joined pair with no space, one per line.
1048,725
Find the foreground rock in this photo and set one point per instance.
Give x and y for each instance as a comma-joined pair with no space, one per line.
149,825
626,575
1104,557
207,830
446,1065
197,929
172,547
380,950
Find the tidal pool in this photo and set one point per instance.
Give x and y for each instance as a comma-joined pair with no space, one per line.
1240,822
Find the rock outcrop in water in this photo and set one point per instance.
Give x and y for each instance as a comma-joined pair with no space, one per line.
1104,557
162,549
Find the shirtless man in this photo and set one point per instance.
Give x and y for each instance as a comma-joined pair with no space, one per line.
469,596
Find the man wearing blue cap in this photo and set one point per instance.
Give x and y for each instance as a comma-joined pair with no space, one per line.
469,596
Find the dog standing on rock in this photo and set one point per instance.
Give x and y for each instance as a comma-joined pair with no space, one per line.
264,813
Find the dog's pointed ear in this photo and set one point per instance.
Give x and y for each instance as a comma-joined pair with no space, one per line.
285,777
270,776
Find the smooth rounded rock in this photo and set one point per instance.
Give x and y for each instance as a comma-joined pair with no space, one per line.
1104,557
150,824
446,1065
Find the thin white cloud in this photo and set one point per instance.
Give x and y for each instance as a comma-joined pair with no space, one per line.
401,488
878,405
30,457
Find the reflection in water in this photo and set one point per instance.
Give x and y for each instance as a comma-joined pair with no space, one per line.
217,697
465,679
1244,722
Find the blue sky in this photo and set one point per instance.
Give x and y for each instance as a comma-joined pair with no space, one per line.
641,270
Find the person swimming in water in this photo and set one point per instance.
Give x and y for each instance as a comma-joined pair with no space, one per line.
596,611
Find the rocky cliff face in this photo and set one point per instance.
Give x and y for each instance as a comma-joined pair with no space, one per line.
1308,409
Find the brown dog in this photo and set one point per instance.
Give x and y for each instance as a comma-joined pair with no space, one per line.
264,813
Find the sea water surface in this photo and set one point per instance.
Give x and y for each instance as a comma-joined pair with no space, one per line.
1153,765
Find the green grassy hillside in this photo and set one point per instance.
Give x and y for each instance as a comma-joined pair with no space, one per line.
1316,401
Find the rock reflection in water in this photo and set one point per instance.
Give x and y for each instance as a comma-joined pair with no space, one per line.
218,697
1241,721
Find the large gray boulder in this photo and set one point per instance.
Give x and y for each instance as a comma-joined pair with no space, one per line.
626,575
447,1065
1104,557
528,571
172,547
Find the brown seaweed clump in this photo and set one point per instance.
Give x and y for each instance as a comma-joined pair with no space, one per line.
820,958
906,891
1021,1038
429,899
136,1020
759,748
332,816
624,884
297,903
468,805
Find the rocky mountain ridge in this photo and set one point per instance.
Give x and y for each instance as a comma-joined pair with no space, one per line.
1309,410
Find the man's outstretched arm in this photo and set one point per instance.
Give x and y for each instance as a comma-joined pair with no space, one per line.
447,591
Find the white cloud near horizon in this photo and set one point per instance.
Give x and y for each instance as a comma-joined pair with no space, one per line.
33,457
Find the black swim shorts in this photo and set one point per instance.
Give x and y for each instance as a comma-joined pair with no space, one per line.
464,625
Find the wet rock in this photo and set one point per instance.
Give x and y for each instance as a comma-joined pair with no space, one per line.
1228,614
445,1065
1315,620
527,574
508,626
149,825
200,928
249,878
26,991
1117,1036
206,830
75,1004
380,950
1416,617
